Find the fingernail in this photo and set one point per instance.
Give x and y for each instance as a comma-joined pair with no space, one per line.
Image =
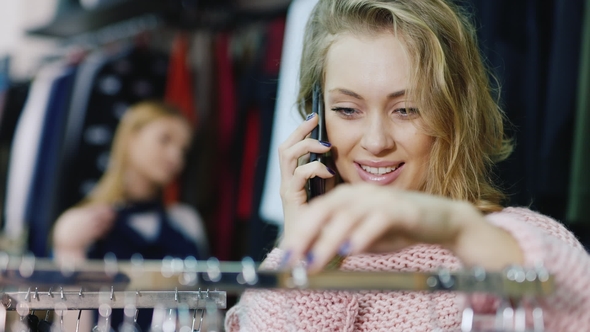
330,170
309,258
344,249
310,116
285,259
326,144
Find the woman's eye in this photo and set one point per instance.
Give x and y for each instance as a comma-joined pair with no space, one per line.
406,112
346,111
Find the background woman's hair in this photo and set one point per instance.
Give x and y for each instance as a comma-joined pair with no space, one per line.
448,82
110,188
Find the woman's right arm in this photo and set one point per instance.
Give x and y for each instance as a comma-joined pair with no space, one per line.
78,228
269,310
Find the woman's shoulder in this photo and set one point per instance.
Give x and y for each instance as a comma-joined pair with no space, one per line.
186,217
183,210
187,220
532,218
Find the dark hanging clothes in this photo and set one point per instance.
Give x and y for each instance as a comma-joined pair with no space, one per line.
560,103
179,92
15,98
258,95
41,200
105,87
533,48
578,213
224,215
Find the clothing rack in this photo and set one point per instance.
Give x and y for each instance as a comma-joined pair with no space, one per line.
29,284
183,14
82,300
58,281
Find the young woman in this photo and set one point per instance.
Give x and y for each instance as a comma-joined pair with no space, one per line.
125,213
413,132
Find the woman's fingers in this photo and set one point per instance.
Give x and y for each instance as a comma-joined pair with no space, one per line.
297,146
305,172
333,239
349,220
289,157
300,133
378,232
307,226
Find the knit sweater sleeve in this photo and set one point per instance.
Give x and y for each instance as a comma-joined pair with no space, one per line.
545,241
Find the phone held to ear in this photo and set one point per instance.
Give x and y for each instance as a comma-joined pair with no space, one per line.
317,185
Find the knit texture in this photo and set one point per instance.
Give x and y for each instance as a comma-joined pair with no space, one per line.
542,240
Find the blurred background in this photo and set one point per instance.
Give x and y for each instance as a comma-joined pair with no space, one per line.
223,63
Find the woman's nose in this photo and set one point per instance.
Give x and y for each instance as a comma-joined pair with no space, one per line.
377,137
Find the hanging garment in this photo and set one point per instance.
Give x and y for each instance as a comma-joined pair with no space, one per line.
105,87
16,97
555,149
39,214
83,86
4,84
225,181
179,92
579,195
533,48
179,86
260,92
24,151
287,117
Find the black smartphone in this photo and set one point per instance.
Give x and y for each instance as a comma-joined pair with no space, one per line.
317,185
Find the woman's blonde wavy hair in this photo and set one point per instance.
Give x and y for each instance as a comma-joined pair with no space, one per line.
449,83
110,188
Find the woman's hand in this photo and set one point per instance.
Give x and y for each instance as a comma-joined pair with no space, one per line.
78,228
294,177
367,218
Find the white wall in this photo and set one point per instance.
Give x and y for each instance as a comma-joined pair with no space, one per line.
16,16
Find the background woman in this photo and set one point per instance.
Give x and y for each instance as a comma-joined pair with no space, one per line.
125,214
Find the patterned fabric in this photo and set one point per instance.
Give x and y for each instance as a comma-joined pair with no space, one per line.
101,96
541,239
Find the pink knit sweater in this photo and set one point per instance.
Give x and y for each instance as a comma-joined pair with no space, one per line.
541,238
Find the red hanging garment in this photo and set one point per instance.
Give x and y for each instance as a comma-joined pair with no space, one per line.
179,92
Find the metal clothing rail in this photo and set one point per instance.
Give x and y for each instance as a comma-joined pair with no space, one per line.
27,283
81,300
18,274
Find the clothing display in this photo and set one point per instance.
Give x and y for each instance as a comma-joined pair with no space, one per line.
541,239
24,151
237,85
62,141
44,181
105,87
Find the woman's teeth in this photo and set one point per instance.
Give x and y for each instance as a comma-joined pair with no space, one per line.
378,170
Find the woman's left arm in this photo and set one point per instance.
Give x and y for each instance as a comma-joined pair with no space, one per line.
366,218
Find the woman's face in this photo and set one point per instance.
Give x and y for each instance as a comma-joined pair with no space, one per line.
158,149
373,126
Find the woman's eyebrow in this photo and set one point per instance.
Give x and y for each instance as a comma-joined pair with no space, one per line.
397,94
353,94
347,92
